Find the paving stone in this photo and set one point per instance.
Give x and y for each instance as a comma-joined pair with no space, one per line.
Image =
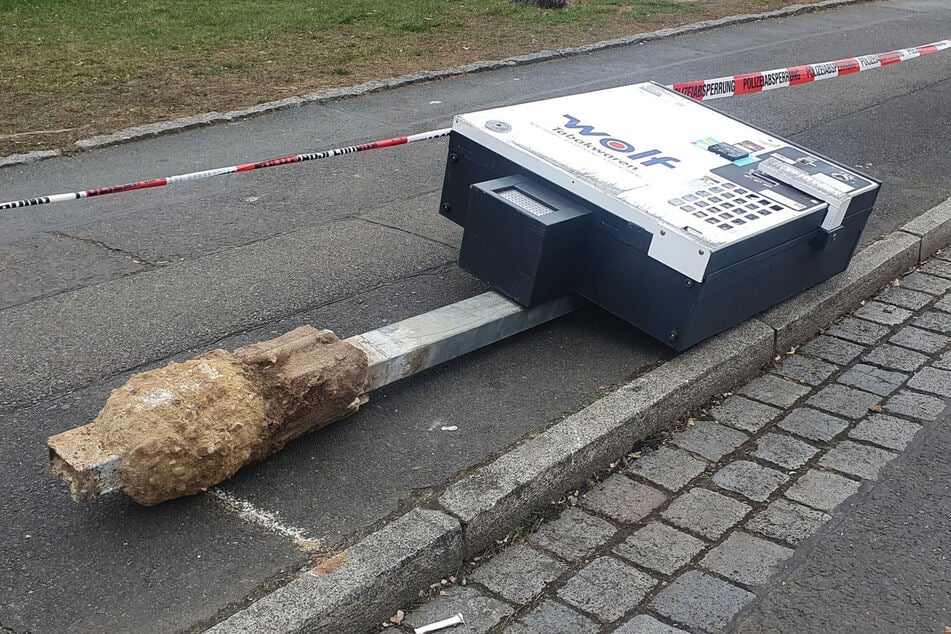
926,283
643,624
896,358
934,320
774,390
918,339
699,600
549,617
710,440
784,450
812,424
831,349
746,559
805,369
705,512
750,479
574,535
944,361
939,267
742,413
845,401
932,380
787,521
481,612
913,405
887,431
822,490
670,468
607,588
518,573
904,297
857,459
860,330
660,547
623,499
872,379
880,313
944,304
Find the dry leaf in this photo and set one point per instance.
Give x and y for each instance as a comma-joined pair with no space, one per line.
397,618
878,409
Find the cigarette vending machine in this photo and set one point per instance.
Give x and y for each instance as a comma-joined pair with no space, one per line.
677,218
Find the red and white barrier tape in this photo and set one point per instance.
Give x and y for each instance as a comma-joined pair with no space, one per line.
747,83
703,90
233,169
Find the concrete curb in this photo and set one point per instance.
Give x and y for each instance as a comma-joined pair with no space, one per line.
357,588
384,571
500,495
211,118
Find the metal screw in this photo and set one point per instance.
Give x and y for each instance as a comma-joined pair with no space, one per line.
663,233
688,283
672,335
445,206
700,251
453,157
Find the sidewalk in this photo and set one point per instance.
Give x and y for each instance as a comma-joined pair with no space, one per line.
686,535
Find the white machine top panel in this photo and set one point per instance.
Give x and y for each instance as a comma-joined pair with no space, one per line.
643,153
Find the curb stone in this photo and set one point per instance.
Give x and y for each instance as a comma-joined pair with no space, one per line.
934,229
386,569
797,319
501,494
210,118
356,588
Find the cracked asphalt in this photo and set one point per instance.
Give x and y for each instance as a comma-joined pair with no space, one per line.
94,290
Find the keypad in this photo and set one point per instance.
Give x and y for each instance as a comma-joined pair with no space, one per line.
725,205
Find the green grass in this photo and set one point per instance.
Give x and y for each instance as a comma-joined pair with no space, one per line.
100,65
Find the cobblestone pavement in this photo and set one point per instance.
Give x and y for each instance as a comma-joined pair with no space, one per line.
682,537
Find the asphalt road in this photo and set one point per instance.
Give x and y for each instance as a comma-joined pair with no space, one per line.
882,564
93,290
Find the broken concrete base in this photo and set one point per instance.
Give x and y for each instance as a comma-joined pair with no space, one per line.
180,429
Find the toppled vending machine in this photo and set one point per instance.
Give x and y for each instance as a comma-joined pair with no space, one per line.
677,218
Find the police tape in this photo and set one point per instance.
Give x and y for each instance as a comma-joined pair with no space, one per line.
748,83
702,90
219,171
